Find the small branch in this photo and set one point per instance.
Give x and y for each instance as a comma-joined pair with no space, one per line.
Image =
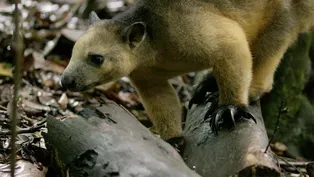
296,164
17,79
5,111
280,112
290,164
32,129
2,107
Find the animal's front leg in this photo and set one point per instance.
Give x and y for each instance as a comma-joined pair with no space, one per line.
233,73
163,107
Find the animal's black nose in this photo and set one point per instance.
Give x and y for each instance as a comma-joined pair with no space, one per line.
67,82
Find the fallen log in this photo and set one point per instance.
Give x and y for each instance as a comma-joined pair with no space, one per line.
237,151
109,141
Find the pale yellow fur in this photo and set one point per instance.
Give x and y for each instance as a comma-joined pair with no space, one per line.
243,41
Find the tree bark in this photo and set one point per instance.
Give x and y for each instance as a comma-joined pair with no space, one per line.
240,150
109,141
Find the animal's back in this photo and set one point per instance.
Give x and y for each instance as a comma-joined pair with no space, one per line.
251,15
180,25
305,12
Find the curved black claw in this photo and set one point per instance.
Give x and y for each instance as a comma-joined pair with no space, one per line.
214,99
177,143
208,84
227,116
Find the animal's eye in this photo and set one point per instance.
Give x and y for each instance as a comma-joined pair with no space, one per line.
97,60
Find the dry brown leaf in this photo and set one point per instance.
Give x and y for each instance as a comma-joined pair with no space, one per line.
5,71
130,98
106,87
6,92
32,107
280,147
63,101
46,99
23,169
46,65
72,34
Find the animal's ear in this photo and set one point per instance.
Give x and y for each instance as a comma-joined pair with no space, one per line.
134,34
93,18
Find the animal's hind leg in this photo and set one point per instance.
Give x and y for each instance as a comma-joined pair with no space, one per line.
232,68
263,75
267,52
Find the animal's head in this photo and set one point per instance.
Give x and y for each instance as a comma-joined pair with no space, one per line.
107,51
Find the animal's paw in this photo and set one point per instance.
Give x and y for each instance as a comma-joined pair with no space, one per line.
177,143
207,85
198,96
227,116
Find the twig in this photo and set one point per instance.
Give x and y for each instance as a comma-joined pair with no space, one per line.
2,107
291,170
280,112
22,115
32,129
17,80
302,173
296,164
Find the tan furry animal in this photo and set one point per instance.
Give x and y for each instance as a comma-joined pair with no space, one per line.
242,40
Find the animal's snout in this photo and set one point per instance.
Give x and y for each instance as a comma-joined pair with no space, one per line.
68,82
